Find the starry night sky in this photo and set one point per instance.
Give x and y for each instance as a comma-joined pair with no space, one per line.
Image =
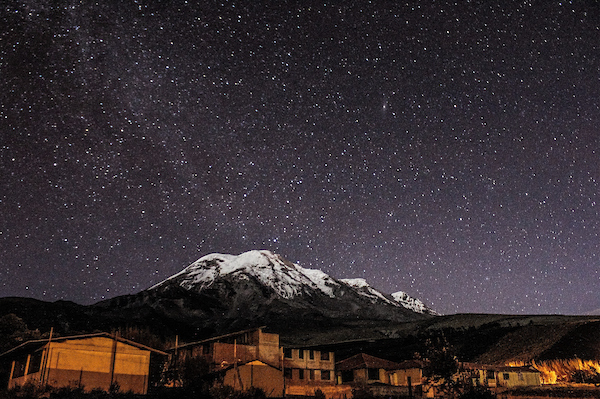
447,150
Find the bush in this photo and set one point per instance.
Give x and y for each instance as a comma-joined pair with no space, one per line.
477,393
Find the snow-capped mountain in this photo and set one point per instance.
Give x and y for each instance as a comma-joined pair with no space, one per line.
223,293
414,304
284,279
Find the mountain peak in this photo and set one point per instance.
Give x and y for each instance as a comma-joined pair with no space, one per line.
414,304
272,270
281,277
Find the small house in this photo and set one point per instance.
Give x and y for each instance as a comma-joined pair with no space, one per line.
501,376
409,373
94,361
379,376
255,374
366,369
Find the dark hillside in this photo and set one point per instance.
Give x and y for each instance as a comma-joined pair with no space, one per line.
583,342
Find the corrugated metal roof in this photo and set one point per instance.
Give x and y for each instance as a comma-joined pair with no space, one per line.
494,367
32,346
218,338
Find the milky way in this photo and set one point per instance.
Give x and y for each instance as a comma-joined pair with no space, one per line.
447,150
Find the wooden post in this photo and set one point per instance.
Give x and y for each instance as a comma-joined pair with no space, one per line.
12,371
113,358
27,366
46,357
175,363
282,363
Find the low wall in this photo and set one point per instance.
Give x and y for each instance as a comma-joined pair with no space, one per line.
331,391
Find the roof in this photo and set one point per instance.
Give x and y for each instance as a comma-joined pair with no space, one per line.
218,338
229,366
362,360
35,345
500,368
411,364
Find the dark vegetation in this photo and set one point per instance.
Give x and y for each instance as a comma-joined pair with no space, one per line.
483,338
556,392
198,391
476,338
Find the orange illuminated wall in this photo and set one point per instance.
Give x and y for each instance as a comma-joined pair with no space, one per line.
92,362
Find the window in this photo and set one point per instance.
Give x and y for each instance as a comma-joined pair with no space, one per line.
520,376
373,374
324,355
35,362
287,373
311,374
301,374
287,353
19,370
301,353
347,375
489,374
325,375
505,376
311,354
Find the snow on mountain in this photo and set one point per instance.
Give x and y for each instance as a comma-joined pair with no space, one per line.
363,288
398,298
411,303
285,278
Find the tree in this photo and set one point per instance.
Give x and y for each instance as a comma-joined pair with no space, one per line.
441,367
14,331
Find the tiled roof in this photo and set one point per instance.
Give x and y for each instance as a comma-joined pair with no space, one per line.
411,364
362,360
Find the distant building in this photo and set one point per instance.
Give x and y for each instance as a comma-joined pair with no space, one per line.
243,360
501,376
239,347
93,361
255,374
366,369
380,377
410,372
254,359
308,366
307,370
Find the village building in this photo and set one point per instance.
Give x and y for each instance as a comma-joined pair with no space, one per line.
240,347
307,370
243,360
93,361
380,377
255,374
501,376
309,366
410,375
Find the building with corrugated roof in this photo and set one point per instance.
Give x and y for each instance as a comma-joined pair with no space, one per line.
91,361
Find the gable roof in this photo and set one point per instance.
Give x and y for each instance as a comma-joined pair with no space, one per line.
362,360
218,338
35,345
250,363
411,364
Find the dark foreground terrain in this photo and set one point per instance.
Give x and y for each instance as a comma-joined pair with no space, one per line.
484,338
